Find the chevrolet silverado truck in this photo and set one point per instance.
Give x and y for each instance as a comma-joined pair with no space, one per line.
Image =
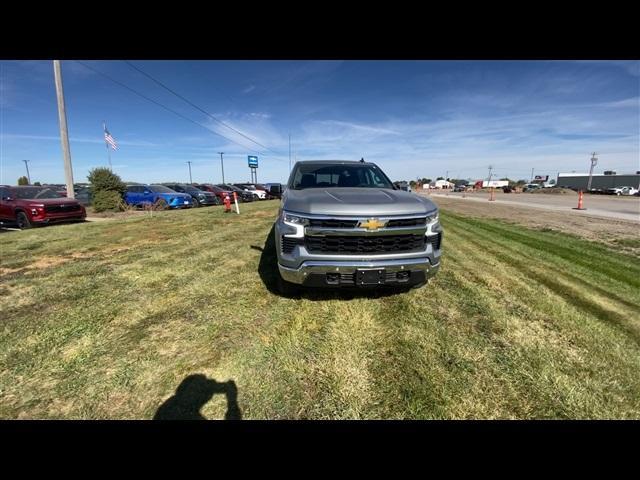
28,206
344,224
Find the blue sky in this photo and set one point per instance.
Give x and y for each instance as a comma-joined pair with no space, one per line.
413,118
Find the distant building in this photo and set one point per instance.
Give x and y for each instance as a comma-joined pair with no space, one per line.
441,184
599,181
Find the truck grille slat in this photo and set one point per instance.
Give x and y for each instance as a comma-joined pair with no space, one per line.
332,223
435,240
407,222
288,244
364,244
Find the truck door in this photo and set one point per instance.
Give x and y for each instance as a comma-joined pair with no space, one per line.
6,210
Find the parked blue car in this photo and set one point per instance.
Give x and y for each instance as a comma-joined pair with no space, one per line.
141,195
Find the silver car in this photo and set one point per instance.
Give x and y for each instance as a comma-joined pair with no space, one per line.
344,224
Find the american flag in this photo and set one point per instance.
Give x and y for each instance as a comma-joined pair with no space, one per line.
109,139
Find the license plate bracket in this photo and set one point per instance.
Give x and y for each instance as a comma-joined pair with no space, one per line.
370,276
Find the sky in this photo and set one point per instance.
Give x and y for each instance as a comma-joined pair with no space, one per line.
415,119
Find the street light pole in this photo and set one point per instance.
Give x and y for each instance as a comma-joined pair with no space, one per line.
190,179
289,153
26,164
222,165
64,132
594,162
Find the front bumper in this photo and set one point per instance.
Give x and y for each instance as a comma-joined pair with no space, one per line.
50,219
319,273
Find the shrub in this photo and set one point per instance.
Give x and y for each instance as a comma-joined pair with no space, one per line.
23,181
104,200
103,179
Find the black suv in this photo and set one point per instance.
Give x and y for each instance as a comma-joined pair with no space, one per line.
200,197
242,195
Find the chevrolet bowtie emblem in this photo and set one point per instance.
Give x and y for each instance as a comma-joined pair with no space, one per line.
372,224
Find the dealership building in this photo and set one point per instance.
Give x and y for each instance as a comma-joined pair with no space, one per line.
599,181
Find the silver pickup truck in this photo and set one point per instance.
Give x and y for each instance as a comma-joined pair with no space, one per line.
344,224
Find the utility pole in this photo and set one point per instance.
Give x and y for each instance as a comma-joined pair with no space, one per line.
531,175
289,152
26,164
222,165
489,177
446,176
594,162
190,179
64,133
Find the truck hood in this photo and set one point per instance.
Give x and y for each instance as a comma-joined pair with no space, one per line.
356,202
49,201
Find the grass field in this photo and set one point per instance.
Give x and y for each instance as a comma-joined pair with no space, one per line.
106,320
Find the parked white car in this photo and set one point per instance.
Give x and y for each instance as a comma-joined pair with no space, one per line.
622,191
248,187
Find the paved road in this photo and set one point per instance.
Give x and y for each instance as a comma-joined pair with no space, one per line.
625,208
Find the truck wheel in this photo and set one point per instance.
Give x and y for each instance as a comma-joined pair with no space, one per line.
23,221
287,289
161,205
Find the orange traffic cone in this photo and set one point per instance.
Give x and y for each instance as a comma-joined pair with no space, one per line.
579,207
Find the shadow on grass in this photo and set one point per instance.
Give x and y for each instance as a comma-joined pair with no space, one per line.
268,271
193,393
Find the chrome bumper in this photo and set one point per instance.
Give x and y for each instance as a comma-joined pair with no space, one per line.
300,274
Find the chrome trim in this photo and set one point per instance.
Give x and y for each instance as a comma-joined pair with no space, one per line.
298,275
362,217
363,232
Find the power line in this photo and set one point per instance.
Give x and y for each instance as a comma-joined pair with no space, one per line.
150,77
161,105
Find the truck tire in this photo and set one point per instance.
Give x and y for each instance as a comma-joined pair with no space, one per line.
23,221
196,202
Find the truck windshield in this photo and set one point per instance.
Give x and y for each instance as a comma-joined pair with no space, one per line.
29,193
339,175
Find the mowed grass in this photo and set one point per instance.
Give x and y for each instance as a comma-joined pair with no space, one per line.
105,320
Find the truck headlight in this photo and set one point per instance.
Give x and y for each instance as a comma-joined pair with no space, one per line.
294,219
433,218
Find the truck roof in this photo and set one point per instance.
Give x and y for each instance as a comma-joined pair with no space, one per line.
334,162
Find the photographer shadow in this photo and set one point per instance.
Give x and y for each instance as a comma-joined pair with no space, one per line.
193,393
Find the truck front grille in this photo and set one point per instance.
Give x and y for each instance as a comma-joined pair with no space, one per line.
62,208
349,244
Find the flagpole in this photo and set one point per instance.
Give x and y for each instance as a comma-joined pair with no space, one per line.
104,126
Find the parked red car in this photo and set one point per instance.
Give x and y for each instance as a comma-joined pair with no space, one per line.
30,206
219,192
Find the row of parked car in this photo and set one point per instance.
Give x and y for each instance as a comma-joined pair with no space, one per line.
180,195
27,206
